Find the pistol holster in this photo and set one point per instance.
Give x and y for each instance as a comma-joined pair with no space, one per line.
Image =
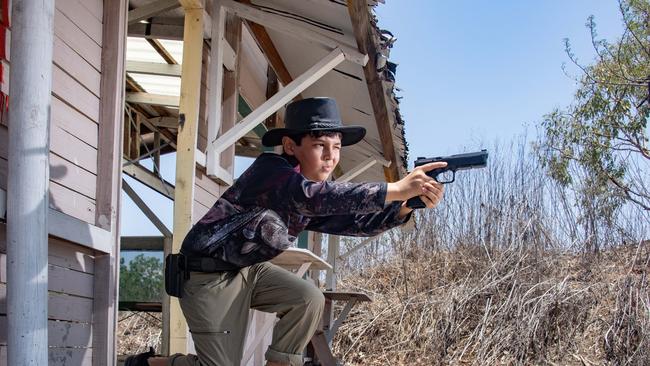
176,273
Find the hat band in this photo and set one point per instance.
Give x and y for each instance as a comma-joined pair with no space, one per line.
320,124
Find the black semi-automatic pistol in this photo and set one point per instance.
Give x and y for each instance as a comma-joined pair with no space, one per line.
454,163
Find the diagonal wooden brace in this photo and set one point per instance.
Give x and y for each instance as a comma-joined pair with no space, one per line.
273,104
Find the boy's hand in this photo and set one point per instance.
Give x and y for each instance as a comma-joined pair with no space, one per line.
417,183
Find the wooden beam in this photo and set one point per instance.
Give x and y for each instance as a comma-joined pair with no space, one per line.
148,212
153,68
109,173
230,105
151,9
280,23
152,99
287,93
157,31
166,29
162,51
364,33
333,245
185,156
148,243
164,122
80,232
272,87
215,98
147,178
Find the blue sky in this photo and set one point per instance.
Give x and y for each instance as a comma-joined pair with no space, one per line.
475,71
470,72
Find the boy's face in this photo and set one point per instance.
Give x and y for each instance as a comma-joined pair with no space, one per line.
318,156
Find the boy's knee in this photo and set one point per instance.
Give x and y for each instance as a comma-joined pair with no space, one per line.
314,299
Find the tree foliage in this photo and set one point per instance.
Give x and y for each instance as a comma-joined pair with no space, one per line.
142,279
599,144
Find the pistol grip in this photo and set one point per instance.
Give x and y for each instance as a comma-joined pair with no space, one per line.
415,202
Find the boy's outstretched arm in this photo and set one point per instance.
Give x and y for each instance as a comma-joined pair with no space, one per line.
394,214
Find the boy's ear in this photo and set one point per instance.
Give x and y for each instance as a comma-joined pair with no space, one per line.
288,145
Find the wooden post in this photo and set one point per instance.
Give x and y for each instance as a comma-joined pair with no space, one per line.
233,32
333,244
156,155
364,33
28,182
109,180
215,97
185,156
167,248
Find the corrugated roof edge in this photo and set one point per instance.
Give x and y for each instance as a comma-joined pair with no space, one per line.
384,41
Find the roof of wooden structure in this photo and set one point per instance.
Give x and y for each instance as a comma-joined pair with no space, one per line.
365,95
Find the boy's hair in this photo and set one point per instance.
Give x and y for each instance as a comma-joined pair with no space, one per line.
297,138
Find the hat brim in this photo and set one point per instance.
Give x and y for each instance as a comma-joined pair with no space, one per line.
350,134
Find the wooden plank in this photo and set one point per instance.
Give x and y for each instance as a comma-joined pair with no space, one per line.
60,307
69,255
70,148
157,30
158,47
60,279
198,211
74,93
152,99
74,37
204,197
70,61
60,356
185,161
203,181
71,203
147,178
70,120
364,33
60,333
109,179
152,9
96,8
72,176
153,68
148,243
78,231
82,17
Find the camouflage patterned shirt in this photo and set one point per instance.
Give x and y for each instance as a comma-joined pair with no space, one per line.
272,202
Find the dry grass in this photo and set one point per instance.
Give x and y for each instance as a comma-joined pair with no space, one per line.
479,307
137,331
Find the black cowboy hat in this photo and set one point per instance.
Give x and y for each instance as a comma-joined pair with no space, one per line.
313,114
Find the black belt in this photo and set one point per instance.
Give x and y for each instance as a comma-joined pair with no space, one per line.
207,265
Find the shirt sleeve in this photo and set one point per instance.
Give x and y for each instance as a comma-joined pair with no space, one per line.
360,225
273,183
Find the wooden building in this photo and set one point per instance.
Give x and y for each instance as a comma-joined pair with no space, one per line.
241,63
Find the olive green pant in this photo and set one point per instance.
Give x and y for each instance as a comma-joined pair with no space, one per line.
216,306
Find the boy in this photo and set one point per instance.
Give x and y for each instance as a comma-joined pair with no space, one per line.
276,198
